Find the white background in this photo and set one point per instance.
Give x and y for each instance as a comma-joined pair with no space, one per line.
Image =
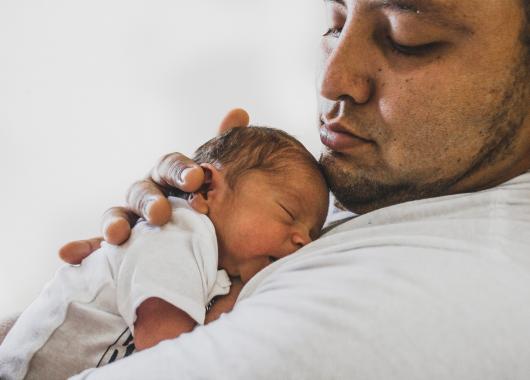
93,92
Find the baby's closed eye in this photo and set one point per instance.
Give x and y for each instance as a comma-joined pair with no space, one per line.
288,212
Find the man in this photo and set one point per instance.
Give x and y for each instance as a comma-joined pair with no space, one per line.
426,130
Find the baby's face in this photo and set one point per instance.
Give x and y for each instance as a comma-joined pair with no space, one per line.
266,218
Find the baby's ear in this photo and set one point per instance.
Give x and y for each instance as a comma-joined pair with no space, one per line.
214,184
199,203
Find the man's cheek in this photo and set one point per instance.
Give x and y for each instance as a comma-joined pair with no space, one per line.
407,158
415,147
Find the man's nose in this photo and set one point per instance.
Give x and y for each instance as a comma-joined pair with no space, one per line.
345,70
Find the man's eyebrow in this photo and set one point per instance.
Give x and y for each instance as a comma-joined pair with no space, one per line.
432,11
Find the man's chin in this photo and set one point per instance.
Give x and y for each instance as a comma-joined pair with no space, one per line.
358,189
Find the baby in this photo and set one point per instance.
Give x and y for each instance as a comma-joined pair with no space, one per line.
263,199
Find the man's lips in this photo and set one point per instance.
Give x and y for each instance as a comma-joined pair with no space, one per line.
338,138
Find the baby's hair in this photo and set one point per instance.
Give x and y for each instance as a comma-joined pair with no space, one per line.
241,150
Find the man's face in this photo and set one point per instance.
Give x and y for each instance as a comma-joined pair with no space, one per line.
420,98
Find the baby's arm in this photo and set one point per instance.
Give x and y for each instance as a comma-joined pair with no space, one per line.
167,276
158,320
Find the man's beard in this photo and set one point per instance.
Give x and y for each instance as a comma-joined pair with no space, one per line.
360,191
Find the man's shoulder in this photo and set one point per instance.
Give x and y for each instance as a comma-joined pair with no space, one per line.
479,229
512,196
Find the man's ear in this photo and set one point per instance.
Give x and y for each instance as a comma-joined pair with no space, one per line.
214,184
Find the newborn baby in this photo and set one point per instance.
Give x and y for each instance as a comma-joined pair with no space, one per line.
263,199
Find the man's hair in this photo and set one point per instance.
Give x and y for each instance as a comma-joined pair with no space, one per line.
241,150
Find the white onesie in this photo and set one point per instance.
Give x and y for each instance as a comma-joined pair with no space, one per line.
85,316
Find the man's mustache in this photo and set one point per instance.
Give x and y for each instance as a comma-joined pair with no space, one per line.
347,117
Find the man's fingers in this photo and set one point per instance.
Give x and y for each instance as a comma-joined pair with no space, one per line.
178,171
175,170
146,199
75,251
117,224
236,118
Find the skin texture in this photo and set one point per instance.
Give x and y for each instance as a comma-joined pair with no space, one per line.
157,320
414,122
279,202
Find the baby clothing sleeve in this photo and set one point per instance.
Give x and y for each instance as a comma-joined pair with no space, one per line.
176,262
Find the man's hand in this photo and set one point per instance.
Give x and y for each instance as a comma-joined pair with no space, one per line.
147,198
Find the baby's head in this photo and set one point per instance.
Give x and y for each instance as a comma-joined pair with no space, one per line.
264,194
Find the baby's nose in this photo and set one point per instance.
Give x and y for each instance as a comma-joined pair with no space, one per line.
301,238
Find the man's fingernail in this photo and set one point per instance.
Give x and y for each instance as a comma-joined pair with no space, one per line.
147,207
112,220
182,174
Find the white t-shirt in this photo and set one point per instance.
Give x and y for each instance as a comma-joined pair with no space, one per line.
433,289
85,316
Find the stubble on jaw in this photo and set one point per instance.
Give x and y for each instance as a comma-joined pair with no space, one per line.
359,191
507,122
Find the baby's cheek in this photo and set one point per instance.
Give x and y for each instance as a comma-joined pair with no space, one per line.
266,240
261,245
